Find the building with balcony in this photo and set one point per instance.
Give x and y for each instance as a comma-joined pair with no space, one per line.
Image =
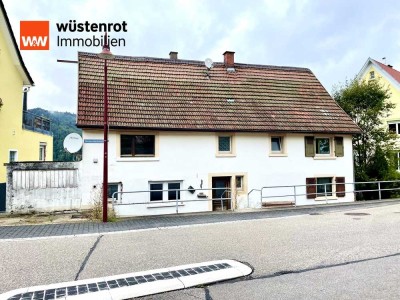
23,136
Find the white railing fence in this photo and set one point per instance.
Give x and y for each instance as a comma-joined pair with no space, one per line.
181,196
368,190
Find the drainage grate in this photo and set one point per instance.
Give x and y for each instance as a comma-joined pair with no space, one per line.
116,283
357,214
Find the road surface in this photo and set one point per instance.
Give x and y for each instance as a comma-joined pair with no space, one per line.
349,254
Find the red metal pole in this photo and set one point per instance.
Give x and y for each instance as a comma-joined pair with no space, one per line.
105,160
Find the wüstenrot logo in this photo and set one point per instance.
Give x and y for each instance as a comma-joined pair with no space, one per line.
34,35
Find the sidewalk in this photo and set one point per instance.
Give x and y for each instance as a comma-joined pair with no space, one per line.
48,230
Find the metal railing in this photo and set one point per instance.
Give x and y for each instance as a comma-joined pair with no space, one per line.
36,123
117,199
327,193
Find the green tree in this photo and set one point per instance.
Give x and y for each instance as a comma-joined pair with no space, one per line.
367,103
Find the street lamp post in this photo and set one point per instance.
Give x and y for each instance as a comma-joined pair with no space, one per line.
106,55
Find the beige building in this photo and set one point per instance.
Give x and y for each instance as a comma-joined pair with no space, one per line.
23,136
390,78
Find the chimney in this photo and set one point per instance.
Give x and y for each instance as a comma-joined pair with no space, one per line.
229,59
173,55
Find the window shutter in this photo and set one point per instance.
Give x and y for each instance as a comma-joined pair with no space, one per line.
311,188
340,187
309,146
339,149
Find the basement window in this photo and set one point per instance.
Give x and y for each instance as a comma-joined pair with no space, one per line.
114,187
164,191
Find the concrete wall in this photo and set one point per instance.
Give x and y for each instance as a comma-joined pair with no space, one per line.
190,157
43,186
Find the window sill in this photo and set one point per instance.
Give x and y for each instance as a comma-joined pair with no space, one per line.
128,159
278,155
324,157
225,155
165,204
327,198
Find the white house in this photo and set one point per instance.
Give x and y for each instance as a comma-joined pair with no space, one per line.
176,125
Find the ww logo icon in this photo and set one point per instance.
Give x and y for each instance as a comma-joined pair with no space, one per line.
34,35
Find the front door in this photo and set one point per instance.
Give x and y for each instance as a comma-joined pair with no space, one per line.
221,190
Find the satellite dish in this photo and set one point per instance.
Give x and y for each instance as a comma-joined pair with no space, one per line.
209,63
73,143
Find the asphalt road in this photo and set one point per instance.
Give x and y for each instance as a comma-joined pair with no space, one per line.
324,256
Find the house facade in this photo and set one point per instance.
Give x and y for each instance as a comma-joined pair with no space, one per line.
24,137
203,139
390,78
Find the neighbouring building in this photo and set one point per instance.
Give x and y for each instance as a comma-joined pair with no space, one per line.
177,125
387,75
23,137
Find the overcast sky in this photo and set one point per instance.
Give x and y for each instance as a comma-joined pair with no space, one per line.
332,38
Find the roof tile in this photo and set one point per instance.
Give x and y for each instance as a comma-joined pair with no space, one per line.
153,93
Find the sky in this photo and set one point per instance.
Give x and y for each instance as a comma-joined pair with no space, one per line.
332,38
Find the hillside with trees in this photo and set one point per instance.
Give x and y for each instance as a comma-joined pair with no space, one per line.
62,124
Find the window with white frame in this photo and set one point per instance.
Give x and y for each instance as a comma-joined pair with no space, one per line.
276,144
323,146
42,151
164,191
394,127
12,156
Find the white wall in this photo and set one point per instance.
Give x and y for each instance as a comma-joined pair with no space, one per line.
190,157
43,186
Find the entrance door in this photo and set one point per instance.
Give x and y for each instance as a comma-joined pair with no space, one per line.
2,197
221,184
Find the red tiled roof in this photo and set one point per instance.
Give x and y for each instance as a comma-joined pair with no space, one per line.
392,72
164,94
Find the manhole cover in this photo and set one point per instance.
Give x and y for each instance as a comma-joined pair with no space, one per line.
357,214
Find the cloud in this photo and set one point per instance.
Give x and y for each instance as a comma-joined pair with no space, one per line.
333,39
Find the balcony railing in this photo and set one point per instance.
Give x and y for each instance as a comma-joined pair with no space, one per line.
35,123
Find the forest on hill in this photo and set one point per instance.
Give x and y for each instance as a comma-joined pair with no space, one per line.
62,124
